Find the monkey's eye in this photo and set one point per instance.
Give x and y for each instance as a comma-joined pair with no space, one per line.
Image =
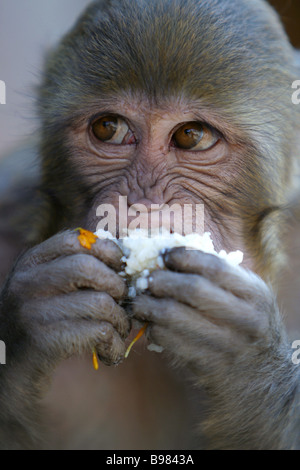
113,130
194,136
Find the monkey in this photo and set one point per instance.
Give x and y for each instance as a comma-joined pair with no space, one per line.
161,101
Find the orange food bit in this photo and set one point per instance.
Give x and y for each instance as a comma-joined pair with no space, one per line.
95,360
86,238
138,336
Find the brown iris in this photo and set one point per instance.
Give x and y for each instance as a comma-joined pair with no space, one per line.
194,136
105,128
188,136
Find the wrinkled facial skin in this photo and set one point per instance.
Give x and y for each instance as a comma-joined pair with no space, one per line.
156,75
152,169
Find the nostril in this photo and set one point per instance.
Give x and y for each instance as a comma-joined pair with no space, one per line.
134,196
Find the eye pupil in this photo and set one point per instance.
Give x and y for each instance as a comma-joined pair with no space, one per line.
105,128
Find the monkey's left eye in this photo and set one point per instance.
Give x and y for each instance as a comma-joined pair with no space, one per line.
113,130
194,136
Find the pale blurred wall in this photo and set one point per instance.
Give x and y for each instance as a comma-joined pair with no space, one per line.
27,29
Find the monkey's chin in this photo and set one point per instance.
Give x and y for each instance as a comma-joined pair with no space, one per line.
144,253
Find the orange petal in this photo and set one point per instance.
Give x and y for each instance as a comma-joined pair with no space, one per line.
86,238
95,360
138,336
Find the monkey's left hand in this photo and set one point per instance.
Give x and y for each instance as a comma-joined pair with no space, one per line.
224,323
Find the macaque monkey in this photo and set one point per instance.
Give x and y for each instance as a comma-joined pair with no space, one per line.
164,102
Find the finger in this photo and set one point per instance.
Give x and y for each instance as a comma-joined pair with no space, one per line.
111,352
67,243
64,339
190,289
239,281
68,274
182,325
182,320
184,351
85,305
208,299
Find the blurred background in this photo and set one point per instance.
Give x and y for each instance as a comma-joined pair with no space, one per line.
28,29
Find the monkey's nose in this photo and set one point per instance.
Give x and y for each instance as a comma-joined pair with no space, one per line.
147,203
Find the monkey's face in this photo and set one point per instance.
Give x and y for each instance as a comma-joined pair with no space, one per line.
175,102
173,152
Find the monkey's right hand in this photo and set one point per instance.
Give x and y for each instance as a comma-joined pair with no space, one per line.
61,299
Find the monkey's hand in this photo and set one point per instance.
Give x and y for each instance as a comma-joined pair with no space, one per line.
61,299
224,323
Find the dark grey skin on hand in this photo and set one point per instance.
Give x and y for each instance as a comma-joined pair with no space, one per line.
156,66
223,322
52,317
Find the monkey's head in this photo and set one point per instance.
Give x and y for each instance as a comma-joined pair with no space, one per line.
174,101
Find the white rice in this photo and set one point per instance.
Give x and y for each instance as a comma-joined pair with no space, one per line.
142,254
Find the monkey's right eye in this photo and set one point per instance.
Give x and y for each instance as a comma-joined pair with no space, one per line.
113,130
